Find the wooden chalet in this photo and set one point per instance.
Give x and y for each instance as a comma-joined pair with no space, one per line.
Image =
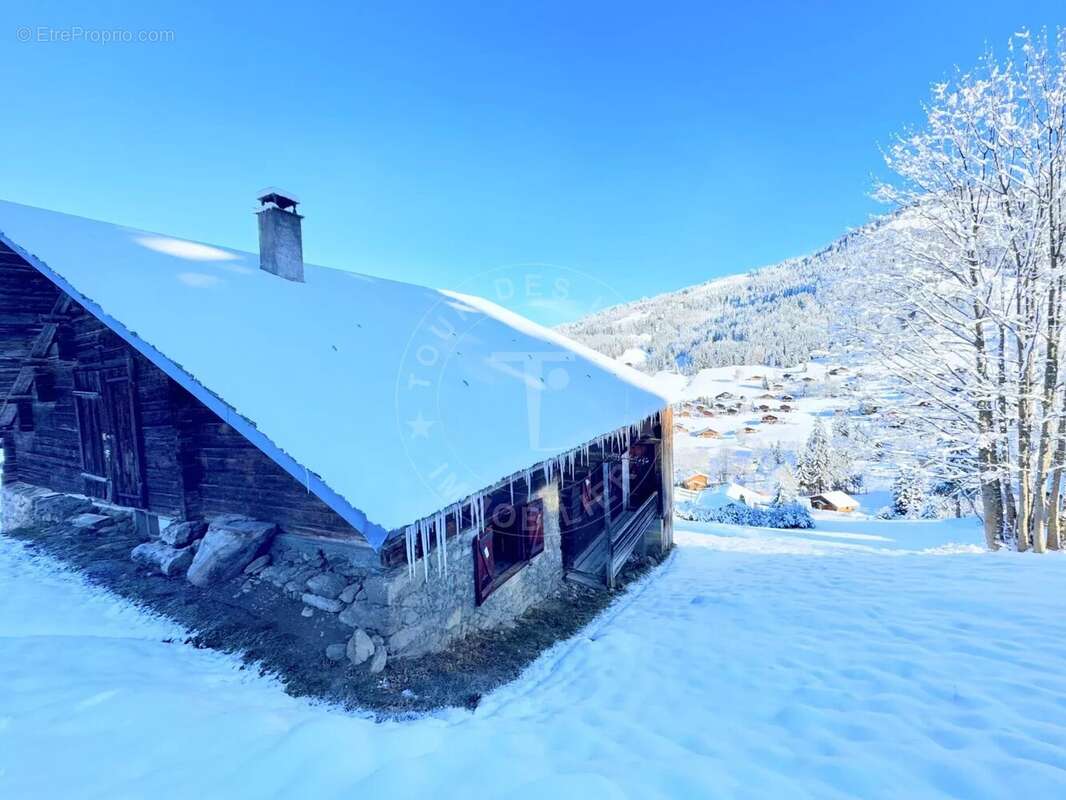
840,502
769,419
188,382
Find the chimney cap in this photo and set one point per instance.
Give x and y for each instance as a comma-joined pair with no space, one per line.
272,195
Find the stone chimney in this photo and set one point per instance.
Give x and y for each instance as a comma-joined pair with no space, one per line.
281,249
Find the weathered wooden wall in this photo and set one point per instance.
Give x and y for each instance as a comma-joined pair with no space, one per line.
193,463
25,296
227,474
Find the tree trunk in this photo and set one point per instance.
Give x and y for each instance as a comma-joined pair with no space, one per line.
1054,534
1010,511
992,506
991,492
1025,454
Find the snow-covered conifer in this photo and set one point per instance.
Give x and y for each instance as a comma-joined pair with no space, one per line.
815,469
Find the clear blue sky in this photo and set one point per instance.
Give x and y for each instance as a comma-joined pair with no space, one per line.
646,146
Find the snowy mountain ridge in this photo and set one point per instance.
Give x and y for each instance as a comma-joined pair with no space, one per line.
777,315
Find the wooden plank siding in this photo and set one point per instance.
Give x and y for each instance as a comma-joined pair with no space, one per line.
26,298
193,464
230,475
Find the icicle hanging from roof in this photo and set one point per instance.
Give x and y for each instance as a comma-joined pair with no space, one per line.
441,529
423,532
409,537
616,441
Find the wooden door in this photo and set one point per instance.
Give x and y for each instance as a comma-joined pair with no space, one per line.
88,404
112,462
123,436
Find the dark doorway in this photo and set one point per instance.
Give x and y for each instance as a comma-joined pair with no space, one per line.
582,516
586,498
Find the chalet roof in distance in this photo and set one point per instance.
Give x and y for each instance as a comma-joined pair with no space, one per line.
389,401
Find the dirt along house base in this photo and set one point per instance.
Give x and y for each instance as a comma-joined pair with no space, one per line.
243,424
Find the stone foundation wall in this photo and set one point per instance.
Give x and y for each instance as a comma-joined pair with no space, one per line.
22,504
16,505
419,615
387,609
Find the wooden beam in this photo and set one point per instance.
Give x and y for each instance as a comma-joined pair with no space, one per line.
20,389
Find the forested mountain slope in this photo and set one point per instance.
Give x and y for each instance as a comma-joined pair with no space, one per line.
777,315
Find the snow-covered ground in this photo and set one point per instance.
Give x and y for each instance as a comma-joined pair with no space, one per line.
862,659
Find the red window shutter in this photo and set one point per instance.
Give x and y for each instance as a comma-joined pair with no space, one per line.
484,567
533,528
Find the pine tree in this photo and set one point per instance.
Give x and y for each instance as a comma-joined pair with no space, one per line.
908,492
787,490
777,455
842,469
814,471
841,428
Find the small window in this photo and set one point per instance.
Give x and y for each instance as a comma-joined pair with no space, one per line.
513,536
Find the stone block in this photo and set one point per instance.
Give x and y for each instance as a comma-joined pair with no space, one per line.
365,615
229,545
322,603
182,534
379,660
57,507
360,647
385,590
89,522
162,558
326,584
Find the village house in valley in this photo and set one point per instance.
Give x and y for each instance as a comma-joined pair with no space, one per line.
450,462
834,501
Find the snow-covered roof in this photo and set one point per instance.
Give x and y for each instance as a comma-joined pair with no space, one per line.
745,495
839,499
390,401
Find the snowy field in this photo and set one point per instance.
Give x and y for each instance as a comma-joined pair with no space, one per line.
863,659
